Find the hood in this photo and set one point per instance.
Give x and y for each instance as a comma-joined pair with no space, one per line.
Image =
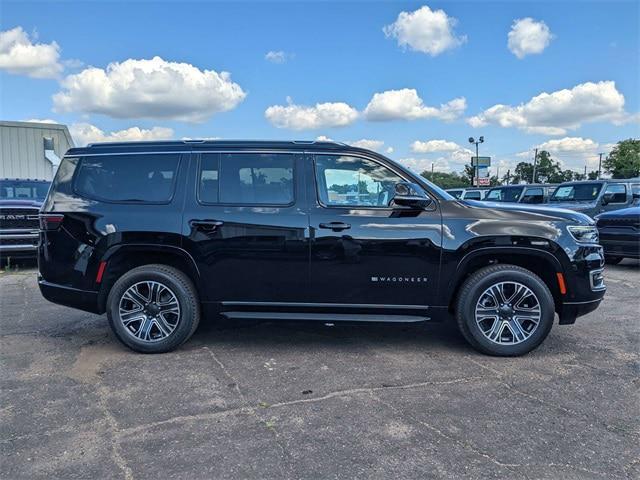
623,212
537,213
577,206
7,203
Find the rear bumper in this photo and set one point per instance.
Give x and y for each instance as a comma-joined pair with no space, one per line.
69,297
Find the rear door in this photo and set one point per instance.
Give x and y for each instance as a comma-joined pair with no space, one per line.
246,225
617,194
364,251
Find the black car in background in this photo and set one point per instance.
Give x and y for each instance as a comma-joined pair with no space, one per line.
20,202
159,234
593,197
619,234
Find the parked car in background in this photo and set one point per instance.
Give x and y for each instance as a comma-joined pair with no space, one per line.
533,193
157,234
619,233
468,193
596,196
20,202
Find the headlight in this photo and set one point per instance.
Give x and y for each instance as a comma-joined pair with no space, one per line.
584,233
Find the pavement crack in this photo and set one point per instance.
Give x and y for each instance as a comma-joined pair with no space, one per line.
351,391
288,460
567,411
112,424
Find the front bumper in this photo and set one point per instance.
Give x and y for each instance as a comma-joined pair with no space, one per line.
585,284
18,244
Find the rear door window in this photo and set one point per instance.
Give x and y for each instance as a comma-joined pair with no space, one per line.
473,195
617,193
533,195
148,178
247,178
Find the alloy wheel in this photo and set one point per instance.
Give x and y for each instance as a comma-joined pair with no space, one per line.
149,311
508,313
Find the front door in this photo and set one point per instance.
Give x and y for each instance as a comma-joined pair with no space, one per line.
247,226
363,250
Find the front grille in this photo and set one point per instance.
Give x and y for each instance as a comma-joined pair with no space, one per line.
629,222
19,218
4,242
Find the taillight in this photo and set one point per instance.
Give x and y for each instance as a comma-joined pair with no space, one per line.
50,221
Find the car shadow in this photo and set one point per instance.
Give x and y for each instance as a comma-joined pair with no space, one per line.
270,334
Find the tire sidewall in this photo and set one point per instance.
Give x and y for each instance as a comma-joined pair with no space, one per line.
546,318
187,311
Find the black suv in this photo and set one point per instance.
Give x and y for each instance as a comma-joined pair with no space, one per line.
158,235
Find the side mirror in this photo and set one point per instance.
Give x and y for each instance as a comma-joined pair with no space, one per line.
606,198
410,195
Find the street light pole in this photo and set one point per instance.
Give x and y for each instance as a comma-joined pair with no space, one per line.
479,141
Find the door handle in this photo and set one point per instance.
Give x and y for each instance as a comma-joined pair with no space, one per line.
206,225
335,226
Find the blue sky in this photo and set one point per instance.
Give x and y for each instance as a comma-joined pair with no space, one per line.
584,55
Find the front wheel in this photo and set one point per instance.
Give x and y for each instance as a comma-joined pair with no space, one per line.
504,310
153,308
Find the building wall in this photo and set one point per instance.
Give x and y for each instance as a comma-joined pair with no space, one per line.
22,148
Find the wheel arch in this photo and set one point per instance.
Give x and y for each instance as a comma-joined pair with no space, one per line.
122,258
541,262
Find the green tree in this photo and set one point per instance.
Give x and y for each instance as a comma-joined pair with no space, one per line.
447,180
624,159
593,175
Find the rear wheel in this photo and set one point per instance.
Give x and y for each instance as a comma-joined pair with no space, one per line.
504,310
153,308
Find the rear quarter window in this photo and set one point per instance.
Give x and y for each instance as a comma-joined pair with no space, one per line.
148,178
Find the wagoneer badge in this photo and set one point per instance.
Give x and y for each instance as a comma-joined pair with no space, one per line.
399,279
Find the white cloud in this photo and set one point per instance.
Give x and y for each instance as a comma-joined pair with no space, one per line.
84,133
149,88
555,113
278,56
389,150
39,120
303,117
425,30
323,138
376,145
20,55
569,144
450,161
434,146
405,104
528,37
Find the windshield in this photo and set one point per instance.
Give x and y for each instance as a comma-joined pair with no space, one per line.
581,192
506,194
23,190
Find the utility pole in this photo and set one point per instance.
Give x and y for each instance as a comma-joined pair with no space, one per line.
600,165
432,171
535,161
508,176
498,174
585,171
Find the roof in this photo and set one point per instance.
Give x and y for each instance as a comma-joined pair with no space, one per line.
199,145
41,126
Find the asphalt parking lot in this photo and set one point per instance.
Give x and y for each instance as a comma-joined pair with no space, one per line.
308,401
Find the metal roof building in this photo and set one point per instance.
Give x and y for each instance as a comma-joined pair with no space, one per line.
32,150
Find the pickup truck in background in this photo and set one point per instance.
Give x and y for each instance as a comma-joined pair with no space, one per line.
20,202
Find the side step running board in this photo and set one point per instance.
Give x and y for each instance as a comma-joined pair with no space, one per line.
324,317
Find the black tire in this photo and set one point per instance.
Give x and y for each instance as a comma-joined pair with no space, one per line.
474,287
185,293
612,260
